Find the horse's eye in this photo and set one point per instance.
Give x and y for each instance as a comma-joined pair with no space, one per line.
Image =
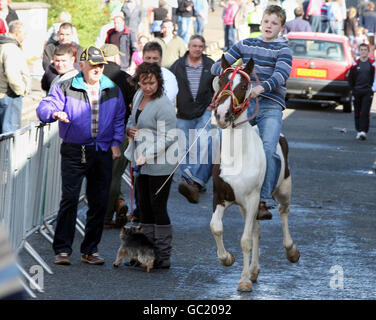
244,87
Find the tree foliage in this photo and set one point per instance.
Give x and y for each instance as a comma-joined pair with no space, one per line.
88,16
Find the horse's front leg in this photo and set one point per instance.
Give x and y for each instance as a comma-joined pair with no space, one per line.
283,195
255,244
247,241
255,265
216,227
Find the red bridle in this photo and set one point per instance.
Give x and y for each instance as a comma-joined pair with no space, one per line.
237,108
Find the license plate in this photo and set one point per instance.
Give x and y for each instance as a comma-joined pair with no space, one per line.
315,73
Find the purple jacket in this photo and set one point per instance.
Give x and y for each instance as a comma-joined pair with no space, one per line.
71,97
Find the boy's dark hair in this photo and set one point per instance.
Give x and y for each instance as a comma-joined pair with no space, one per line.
278,11
364,45
148,69
152,46
63,49
66,25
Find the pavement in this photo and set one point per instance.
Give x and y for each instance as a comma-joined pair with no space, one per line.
213,33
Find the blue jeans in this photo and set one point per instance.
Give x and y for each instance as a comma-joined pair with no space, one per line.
269,123
184,27
10,113
230,37
199,25
197,166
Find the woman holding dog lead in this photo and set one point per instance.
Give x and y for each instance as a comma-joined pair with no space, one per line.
151,128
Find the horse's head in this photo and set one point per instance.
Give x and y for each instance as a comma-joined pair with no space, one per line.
233,90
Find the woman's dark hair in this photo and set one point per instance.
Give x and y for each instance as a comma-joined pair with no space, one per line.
148,69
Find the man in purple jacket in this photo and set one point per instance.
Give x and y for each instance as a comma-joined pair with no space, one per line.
90,109
298,24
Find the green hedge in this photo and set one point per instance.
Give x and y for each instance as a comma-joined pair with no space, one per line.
88,16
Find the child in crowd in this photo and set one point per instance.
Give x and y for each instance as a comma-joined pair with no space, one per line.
361,78
137,55
232,8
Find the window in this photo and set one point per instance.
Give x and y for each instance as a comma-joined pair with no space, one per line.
316,49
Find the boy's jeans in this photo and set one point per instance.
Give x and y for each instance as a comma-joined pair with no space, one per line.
269,122
198,163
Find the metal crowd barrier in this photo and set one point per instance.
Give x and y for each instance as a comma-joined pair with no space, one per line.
30,188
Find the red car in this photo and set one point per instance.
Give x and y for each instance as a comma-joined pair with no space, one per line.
320,66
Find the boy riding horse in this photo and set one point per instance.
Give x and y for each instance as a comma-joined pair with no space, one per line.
273,60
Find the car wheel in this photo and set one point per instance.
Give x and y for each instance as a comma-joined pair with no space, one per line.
347,107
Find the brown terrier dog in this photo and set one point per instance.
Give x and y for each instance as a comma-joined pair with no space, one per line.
135,246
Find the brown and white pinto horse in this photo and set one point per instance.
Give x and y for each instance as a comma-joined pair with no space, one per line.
239,176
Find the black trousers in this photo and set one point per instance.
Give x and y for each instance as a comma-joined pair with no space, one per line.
97,171
153,209
362,106
118,167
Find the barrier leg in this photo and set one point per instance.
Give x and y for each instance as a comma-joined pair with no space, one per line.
30,279
127,179
28,290
49,229
80,224
45,235
79,229
37,257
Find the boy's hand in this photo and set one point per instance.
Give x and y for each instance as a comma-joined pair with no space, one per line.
256,91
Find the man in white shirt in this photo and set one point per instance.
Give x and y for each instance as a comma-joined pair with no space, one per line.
152,52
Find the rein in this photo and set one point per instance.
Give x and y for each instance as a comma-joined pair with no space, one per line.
238,108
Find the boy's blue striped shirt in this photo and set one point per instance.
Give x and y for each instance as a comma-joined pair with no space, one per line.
273,62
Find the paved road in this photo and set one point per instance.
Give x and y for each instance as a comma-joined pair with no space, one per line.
332,222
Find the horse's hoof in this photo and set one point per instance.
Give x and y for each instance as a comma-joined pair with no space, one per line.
254,276
229,260
245,286
293,254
